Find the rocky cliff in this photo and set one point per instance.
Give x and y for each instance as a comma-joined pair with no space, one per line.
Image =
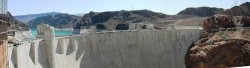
13,23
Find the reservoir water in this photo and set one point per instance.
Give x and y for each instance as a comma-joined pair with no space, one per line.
57,32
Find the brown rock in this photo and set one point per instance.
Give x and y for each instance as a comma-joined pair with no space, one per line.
219,21
224,21
230,54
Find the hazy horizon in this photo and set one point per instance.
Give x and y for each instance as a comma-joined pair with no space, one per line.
24,7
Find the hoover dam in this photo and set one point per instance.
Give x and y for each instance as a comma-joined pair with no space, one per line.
139,48
195,37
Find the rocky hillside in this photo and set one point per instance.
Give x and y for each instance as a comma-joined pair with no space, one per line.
201,11
112,18
242,10
27,18
14,24
60,20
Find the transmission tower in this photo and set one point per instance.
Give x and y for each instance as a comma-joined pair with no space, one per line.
3,6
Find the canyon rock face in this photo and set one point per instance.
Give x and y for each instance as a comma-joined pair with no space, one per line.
220,50
13,24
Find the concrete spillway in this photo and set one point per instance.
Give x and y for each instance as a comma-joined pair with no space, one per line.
126,49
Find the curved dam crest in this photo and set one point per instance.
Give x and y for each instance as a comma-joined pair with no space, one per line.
119,49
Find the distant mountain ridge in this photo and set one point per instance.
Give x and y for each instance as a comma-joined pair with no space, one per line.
109,18
242,10
27,18
112,18
60,20
80,14
201,11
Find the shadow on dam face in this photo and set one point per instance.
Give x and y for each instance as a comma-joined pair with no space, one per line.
42,59
70,48
59,47
13,56
80,50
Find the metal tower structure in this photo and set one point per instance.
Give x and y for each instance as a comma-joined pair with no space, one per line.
3,6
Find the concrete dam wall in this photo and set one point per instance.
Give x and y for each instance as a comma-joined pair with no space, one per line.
120,49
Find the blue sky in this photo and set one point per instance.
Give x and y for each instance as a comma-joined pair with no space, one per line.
23,7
